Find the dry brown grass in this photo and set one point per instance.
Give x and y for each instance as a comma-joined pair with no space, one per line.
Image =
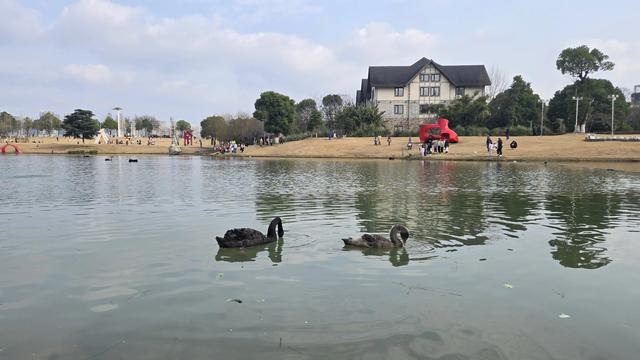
557,148
563,147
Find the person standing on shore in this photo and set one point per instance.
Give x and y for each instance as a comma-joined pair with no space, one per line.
507,133
489,143
389,140
499,148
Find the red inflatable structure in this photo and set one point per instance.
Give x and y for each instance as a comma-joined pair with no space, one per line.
3,149
187,137
438,131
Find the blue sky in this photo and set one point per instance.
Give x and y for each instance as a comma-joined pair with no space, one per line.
192,58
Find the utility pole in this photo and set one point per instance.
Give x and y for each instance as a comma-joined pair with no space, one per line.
542,102
577,99
613,98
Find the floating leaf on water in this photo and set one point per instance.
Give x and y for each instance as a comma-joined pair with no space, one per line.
483,259
260,300
564,316
508,286
220,275
235,300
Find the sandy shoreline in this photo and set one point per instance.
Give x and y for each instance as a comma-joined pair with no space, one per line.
567,148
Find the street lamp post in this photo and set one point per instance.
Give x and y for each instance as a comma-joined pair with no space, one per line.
613,98
577,99
542,102
118,116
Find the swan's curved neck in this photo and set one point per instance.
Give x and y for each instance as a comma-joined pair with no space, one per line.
397,236
271,232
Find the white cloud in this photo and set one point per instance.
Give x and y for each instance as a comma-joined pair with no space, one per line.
92,73
18,23
380,44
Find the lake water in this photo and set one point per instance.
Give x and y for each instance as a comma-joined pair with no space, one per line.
118,260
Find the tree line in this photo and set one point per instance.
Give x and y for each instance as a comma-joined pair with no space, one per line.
515,106
81,123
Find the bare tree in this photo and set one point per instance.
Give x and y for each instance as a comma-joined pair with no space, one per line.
627,93
499,82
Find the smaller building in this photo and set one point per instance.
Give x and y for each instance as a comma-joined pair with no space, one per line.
635,97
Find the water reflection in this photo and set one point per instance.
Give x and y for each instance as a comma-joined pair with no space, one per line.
582,223
451,204
397,257
274,251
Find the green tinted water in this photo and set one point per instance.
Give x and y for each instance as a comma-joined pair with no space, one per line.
117,260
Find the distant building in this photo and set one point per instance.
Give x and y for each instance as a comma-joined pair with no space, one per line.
407,94
635,97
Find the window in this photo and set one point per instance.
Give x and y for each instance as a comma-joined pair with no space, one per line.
424,91
435,77
435,91
424,77
459,91
398,109
424,109
399,91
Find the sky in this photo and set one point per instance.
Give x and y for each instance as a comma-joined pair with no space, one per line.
189,59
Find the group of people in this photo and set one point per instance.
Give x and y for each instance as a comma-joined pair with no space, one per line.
434,146
498,146
377,140
491,146
229,147
269,140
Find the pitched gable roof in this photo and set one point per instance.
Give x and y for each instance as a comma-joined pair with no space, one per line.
466,75
397,76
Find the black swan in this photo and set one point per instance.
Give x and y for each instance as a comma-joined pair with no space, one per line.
244,237
397,238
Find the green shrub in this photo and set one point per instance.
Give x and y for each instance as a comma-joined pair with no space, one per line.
471,131
519,131
406,133
297,137
371,131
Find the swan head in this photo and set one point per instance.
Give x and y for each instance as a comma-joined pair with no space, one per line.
399,234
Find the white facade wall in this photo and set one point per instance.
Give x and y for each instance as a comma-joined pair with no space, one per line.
411,117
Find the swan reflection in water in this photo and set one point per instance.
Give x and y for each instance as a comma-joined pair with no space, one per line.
274,250
397,256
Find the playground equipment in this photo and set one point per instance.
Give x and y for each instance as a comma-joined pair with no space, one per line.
15,147
438,131
102,137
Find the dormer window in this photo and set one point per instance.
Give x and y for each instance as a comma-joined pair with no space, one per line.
435,77
399,91
424,77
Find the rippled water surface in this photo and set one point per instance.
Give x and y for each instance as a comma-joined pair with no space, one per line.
117,260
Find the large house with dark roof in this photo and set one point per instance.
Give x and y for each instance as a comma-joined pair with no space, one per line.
407,94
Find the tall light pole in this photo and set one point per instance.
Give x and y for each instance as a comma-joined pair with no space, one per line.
613,98
542,102
118,116
577,99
